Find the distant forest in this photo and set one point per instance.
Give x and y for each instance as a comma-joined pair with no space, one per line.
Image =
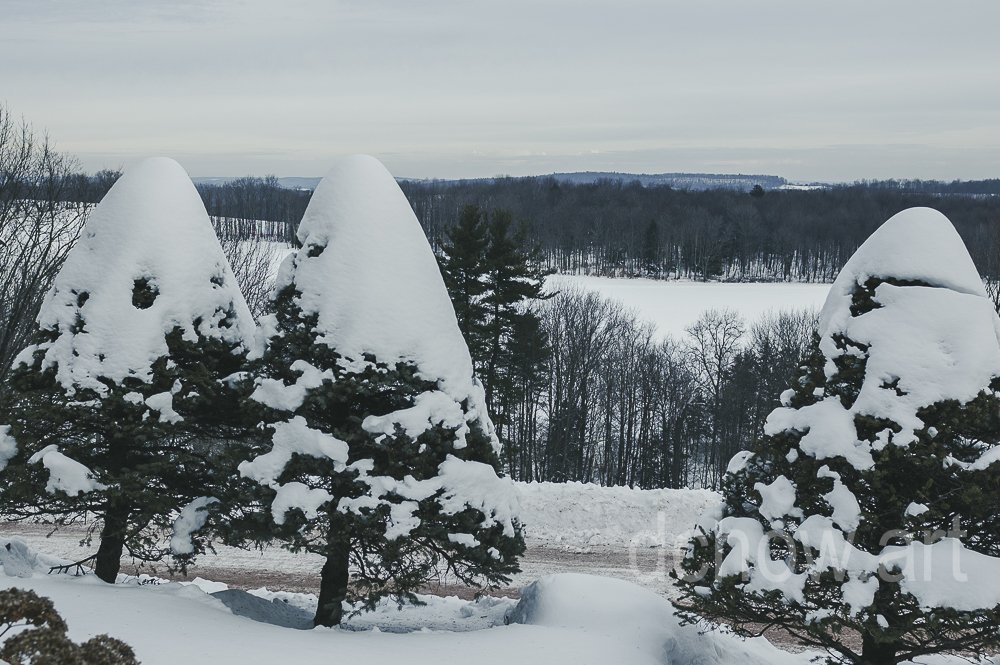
596,396
618,228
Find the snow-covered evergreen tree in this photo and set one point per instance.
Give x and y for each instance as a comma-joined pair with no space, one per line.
463,267
869,508
494,283
382,457
128,373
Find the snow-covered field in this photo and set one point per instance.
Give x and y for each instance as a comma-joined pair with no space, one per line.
674,305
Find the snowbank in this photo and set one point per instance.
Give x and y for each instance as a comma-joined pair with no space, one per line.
565,619
623,611
580,515
17,559
561,619
174,623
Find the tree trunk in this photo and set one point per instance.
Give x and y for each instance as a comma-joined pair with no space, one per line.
109,553
877,653
333,584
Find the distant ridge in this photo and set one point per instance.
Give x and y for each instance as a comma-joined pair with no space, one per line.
690,181
683,181
686,181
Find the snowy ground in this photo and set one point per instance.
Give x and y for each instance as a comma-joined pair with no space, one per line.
674,305
610,621
613,531
569,619
565,608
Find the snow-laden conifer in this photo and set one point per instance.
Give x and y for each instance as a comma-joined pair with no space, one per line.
869,506
128,376
382,457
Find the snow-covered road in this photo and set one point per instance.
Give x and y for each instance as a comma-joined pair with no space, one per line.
617,532
276,568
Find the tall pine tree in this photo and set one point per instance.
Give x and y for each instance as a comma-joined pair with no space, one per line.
463,268
127,382
864,521
491,273
382,458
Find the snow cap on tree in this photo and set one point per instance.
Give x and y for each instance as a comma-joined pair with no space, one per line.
913,305
917,244
148,262
368,273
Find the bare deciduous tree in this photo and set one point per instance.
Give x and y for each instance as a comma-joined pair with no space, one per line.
39,223
254,263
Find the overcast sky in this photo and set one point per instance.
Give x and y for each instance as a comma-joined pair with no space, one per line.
440,88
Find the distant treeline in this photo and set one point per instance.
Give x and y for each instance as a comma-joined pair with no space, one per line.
982,188
241,209
628,229
625,229
251,207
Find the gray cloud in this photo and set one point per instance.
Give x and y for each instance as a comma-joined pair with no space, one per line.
447,88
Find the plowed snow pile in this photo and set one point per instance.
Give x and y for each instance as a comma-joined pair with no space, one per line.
572,515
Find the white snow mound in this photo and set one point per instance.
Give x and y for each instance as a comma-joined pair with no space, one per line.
938,339
376,287
639,617
581,515
151,226
914,244
18,559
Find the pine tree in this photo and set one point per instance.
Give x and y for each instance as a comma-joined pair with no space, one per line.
462,267
127,383
878,473
382,458
513,285
512,282
493,280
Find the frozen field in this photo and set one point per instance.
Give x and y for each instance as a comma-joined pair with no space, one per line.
674,305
